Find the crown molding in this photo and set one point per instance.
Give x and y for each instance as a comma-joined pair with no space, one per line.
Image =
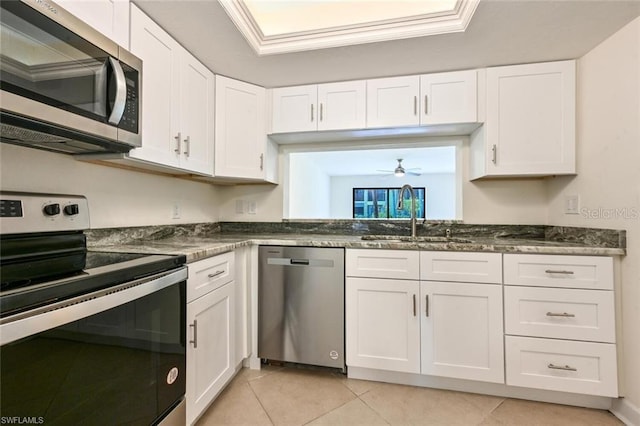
393,29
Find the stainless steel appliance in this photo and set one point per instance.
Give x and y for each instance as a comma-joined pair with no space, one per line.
65,87
301,305
86,337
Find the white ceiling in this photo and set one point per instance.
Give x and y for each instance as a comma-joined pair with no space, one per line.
369,162
501,32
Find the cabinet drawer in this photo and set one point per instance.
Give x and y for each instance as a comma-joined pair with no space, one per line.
399,264
208,274
560,313
562,365
461,267
559,271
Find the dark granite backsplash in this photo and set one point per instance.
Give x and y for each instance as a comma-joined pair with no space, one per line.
587,236
113,236
386,227
609,238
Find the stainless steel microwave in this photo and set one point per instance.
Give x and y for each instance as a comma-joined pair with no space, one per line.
65,86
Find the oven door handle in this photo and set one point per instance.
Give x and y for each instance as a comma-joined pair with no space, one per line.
25,324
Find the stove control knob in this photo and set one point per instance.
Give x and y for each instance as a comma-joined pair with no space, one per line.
71,210
51,209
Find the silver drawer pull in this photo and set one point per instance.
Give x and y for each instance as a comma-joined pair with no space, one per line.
563,314
561,367
195,333
552,271
216,273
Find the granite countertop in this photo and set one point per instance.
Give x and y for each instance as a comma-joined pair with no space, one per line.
197,247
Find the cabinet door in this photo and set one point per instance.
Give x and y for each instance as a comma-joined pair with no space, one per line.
110,17
382,326
393,102
160,90
462,330
530,124
342,105
240,129
196,115
210,334
295,109
449,97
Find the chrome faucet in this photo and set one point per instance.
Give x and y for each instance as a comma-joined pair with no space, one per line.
400,206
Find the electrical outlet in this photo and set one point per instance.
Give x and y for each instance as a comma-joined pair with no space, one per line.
571,204
253,207
175,210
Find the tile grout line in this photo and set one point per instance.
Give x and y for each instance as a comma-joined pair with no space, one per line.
259,401
373,409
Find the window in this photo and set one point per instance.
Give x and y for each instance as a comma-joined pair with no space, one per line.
382,203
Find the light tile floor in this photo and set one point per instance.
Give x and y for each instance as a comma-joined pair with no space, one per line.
294,396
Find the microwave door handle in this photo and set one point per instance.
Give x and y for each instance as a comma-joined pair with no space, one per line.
121,92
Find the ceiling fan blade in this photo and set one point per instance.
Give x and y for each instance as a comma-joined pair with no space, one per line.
413,168
414,173
385,171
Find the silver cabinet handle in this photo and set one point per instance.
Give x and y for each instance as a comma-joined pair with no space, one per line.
561,367
311,112
216,273
261,161
426,306
195,333
563,314
321,112
493,154
120,101
552,271
178,138
426,105
415,105
187,145
414,305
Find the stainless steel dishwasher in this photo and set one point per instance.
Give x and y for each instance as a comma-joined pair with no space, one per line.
301,305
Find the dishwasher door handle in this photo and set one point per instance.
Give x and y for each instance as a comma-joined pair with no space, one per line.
299,261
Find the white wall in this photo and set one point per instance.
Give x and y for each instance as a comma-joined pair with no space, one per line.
116,197
309,189
441,192
608,166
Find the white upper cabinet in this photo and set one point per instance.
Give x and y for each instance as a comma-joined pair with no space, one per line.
196,115
110,17
450,97
530,122
295,108
331,106
393,102
241,138
342,105
177,101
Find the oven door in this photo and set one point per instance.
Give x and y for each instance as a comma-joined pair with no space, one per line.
110,357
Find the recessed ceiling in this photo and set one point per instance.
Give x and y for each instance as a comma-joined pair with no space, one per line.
290,26
502,32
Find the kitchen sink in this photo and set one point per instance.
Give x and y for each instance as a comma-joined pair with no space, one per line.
409,239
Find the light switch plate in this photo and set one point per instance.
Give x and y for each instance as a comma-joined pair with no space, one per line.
239,206
571,204
253,207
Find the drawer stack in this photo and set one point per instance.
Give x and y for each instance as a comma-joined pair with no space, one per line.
560,323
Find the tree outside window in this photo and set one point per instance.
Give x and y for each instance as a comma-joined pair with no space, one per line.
381,203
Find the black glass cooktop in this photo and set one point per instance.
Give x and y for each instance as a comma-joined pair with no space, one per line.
92,271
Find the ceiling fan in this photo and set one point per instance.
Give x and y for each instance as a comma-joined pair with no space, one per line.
401,171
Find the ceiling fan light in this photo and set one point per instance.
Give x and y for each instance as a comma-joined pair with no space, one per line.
399,172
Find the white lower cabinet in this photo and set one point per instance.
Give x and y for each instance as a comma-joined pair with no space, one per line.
461,329
210,335
382,326
560,323
562,365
